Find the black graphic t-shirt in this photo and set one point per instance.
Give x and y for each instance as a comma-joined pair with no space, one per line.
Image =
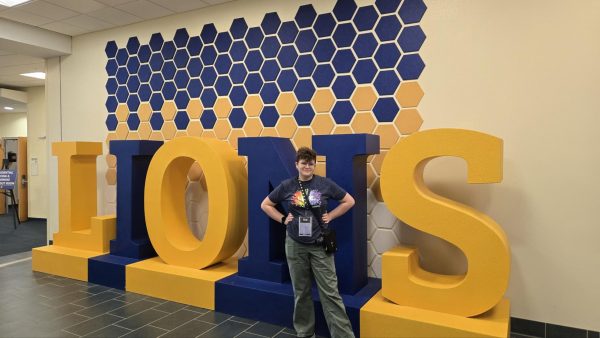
318,189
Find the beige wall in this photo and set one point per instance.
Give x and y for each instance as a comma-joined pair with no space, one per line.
36,149
13,124
525,71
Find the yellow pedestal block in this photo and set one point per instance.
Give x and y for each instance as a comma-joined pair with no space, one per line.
153,277
381,318
62,261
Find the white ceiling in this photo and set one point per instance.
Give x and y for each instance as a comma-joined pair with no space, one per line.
18,107
75,17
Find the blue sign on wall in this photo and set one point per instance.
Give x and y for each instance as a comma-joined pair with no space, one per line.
7,179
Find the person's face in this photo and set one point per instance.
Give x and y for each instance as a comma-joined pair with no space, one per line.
305,168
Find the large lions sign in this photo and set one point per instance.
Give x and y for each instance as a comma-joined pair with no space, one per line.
148,247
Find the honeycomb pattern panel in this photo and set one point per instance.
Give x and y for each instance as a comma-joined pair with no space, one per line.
350,69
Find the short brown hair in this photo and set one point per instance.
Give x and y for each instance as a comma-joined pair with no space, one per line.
305,153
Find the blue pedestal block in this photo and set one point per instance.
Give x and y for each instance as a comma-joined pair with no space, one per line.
273,302
109,270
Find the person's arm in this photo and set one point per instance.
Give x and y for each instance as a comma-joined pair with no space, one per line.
269,208
345,204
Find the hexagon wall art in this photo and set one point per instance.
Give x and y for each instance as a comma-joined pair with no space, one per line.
351,70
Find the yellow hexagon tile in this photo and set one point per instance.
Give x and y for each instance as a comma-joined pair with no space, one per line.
269,131
409,94
111,176
408,121
253,105
303,137
195,173
364,98
111,160
209,134
144,112
376,190
110,137
223,107
122,112
363,123
253,127
156,136
168,110
133,135
321,168
122,131
323,100
194,108
343,130
377,161
181,133
371,175
388,135
286,103
168,130
222,129
322,124
145,129
234,136
194,128
286,126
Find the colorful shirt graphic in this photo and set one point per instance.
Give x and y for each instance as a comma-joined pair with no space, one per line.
319,190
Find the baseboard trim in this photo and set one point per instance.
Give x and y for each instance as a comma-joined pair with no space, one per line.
537,329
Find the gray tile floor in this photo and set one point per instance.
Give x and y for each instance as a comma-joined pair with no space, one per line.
35,304
40,305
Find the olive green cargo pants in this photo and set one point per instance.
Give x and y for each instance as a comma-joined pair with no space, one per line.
303,258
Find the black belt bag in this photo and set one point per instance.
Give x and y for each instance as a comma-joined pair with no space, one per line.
329,241
327,238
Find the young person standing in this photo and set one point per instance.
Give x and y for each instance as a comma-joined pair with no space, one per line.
303,248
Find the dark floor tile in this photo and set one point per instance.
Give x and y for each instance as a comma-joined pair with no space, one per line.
190,329
147,331
55,324
155,300
68,298
65,310
101,308
66,282
516,335
109,331
142,319
284,335
133,308
130,297
92,324
95,288
527,327
247,334
214,317
175,319
289,331
170,307
95,299
226,329
265,329
243,320
197,309
558,331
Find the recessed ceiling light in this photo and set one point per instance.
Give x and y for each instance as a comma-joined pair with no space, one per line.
37,75
9,108
11,3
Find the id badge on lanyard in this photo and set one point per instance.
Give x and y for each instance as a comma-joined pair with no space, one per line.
305,226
